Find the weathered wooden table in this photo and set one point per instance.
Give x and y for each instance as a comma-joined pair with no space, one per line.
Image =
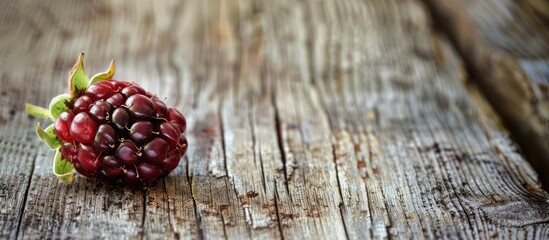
322,119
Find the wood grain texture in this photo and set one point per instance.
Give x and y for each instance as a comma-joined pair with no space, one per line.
505,43
328,119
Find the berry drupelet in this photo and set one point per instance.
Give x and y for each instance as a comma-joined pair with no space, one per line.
112,130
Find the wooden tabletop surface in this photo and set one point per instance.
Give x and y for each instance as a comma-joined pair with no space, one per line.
306,119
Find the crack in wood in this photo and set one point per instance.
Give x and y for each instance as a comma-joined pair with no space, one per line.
143,212
278,220
20,221
280,140
251,117
196,213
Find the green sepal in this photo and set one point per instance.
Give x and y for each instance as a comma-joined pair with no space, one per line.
59,104
48,136
62,168
78,79
37,111
104,75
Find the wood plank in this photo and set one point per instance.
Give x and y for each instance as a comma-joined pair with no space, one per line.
302,123
409,111
505,43
252,155
16,162
309,204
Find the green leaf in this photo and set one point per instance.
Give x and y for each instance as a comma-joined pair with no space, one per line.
58,105
104,75
48,136
37,111
78,79
55,141
62,168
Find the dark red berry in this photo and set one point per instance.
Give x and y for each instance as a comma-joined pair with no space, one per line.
111,166
140,106
156,150
108,84
83,103
106,138
88,158
172,160
99,91
132,90
177,118
116,100
119,85
69,151
62,126
100,111
141,132
78,167
120,118
129,176
127,152
170,133
161,108
148,172
83,128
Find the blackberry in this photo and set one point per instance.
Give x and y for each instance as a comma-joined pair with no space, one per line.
113,130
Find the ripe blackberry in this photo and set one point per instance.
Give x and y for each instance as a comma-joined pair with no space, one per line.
113,130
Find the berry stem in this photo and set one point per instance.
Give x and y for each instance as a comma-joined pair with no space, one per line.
37,111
